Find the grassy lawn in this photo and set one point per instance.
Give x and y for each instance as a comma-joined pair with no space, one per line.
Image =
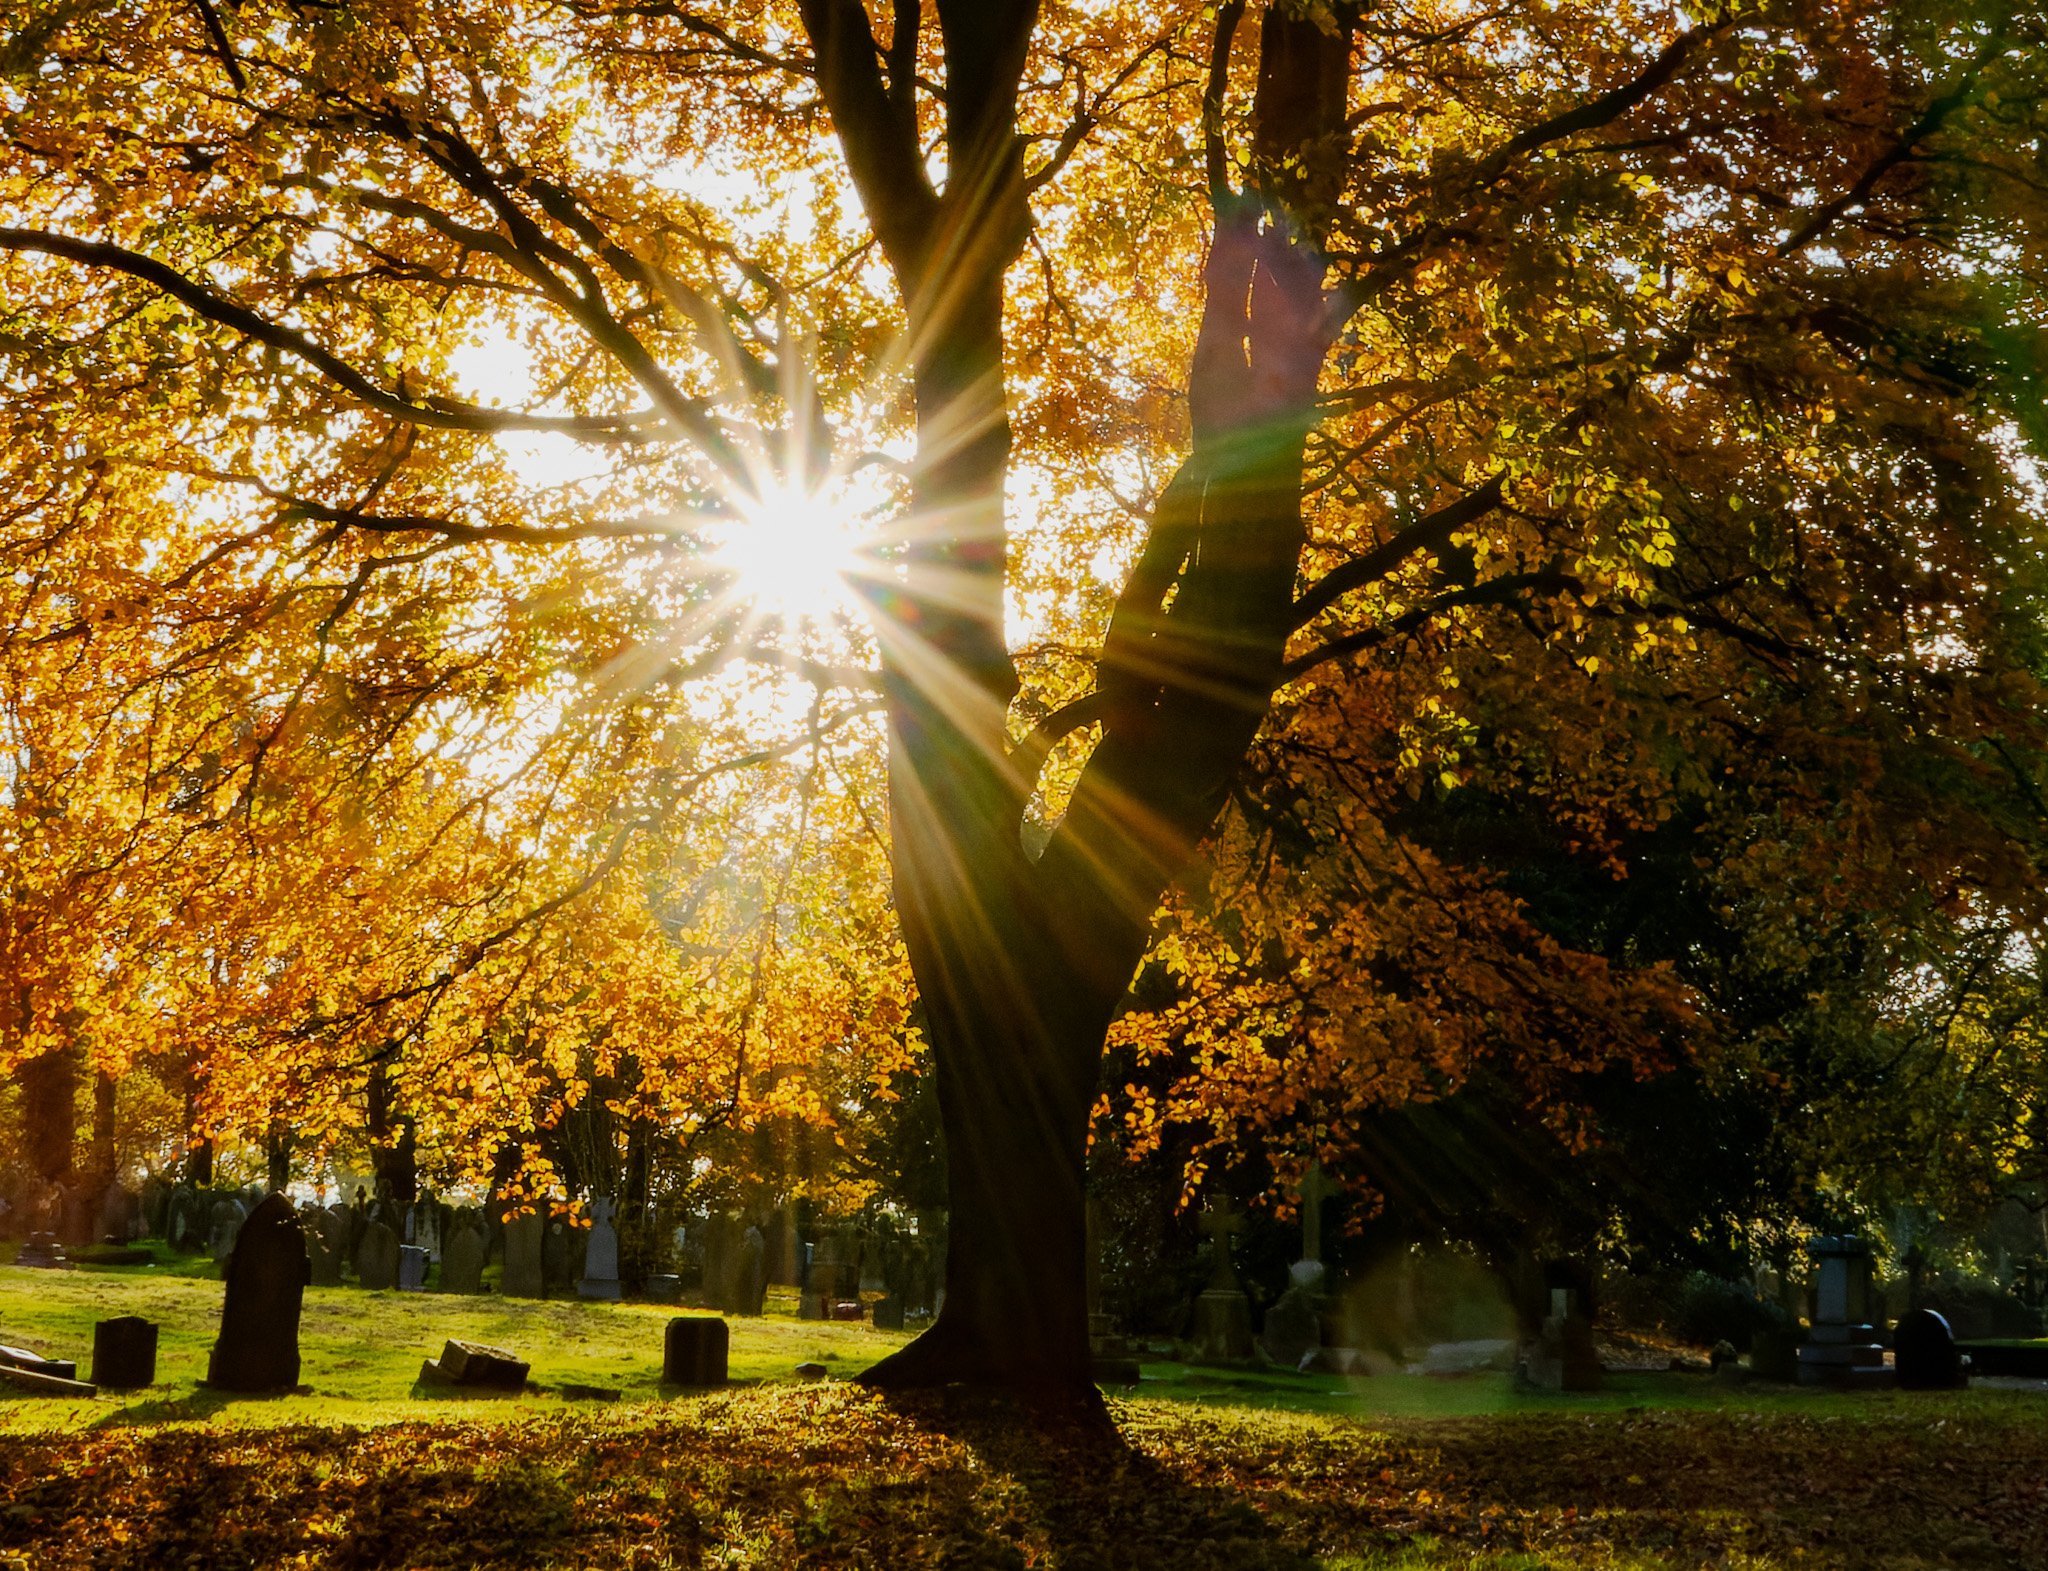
1204,1468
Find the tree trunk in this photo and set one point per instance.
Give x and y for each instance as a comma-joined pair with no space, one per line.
105,1155
1019,963
49,1112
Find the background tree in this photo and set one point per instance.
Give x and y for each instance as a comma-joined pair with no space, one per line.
1378,356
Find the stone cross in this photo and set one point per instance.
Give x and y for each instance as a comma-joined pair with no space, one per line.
1219,1220
1315,1189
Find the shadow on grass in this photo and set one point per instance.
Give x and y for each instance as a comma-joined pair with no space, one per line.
201,1402
1078,1489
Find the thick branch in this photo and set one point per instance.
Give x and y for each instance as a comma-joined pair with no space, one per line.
444,413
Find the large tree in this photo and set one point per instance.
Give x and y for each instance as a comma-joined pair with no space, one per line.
1685,344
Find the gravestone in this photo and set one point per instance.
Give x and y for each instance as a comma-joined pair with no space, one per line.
124,1353
721,1245
227,1218
377,1258
1563,1357
1842,1348
120,1216
34,1363
183,1229
888,1312
1223,1315
258,1345
750,1274
600,1275
783,1266
1924,1353
412,1269
323,1251
423,1225
694,1351
462,1261
156,1207
41,1252
385,1211
473,1364
523,1277
824,1280
561,1256
1293,1328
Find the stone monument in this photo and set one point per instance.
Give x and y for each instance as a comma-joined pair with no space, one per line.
600,1277
258,1345
1842,1349
1223,1315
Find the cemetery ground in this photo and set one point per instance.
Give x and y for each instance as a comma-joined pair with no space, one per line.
1205,1468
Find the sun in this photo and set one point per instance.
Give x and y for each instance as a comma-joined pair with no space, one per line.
790,555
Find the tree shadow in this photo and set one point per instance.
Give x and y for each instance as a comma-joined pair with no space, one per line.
201,1402
1072,1483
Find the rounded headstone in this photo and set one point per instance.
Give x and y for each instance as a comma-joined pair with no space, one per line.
124,1353
1925,1352
694,1351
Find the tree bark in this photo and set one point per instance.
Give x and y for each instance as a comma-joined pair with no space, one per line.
1020,964
49,1112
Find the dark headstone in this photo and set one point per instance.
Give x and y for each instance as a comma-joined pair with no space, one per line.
377,1258
664,1288
473,1364
1925,1353
523,1278
462,1261
1563,1356
124,1353
889,1312
258,1346
694,1351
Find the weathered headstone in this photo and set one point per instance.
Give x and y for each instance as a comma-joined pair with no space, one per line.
323,1251
35,1363
600,1278
228,1217
473,1364
183,1229
412,1269
1293,1328
377,1258
561,1256
523,1278
1223,1315
124,1353
888,1312
462,1261
120,1216
721,1242
1563,1357
1842,1348
1924,1353
156,1206
41,1252
258,1345
694,1351
750,1274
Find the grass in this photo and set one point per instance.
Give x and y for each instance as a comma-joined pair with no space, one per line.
360,1354
1205,1468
